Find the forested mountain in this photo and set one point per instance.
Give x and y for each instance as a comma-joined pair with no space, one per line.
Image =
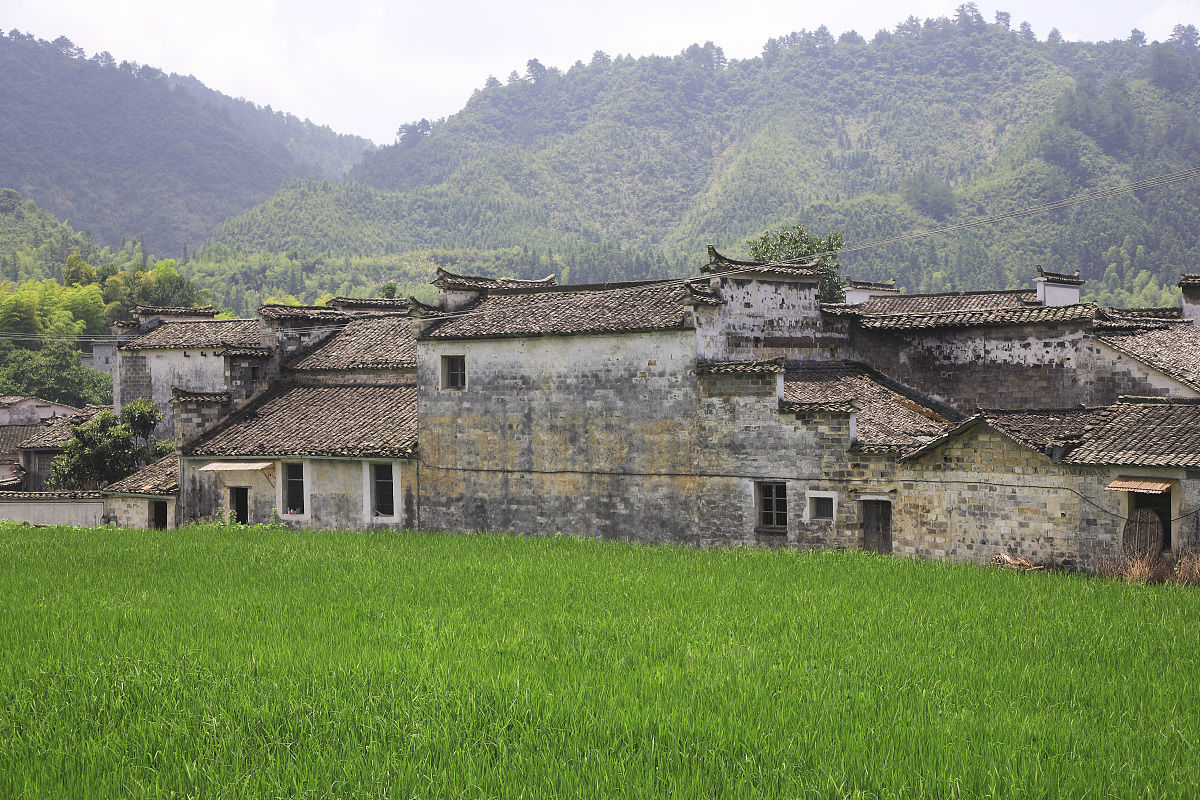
124,150
932,123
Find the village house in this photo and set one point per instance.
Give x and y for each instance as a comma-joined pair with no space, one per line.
729,408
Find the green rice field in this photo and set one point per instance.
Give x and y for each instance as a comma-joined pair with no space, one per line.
227,662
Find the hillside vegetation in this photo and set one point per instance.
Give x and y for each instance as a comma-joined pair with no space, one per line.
124,150
263,663
923,126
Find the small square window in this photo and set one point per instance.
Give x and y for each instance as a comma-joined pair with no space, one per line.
454,372
772,505
820,508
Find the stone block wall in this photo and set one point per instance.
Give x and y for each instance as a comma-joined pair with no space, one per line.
193,417
982,494
245,377
588,435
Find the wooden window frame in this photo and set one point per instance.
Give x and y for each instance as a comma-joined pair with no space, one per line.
454,373
770,506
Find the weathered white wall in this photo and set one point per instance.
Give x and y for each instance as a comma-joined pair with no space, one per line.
152,373
134,512
579,434
336,493
766,319
85,513
32,411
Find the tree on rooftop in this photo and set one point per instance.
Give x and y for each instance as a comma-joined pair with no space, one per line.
790,244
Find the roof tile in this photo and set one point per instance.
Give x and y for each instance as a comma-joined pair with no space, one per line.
161,477
354,421
889,415
216,333
383,342
569,310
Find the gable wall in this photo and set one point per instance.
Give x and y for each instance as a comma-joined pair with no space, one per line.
589,435
152,373
1011,368
766,319
982,493
33,411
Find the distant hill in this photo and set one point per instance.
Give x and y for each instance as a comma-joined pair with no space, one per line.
930,124
123,150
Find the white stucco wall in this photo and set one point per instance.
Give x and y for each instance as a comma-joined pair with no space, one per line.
32,411
86,513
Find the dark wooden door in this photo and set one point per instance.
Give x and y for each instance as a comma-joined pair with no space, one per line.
877,525
239,504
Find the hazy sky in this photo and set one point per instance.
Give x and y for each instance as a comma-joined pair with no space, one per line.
366,66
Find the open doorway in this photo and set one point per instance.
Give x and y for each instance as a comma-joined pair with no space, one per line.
239,504
158,514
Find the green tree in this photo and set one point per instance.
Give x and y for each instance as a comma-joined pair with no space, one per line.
109,447
53,372
788,244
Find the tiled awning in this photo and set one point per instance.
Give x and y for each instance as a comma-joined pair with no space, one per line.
1143,485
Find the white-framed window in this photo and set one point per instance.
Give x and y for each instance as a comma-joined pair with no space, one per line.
822,506
294,490
454,372
381,491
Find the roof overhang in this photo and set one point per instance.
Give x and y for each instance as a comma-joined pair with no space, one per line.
237,466
1125,483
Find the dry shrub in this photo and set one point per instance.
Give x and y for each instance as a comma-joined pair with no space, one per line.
1151,568
1143,568
1110,567
1187,570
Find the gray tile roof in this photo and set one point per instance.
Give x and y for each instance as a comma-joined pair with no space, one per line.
1147,312
1134,432
353,421
321,314
1041,428
937,303
766,366
174,311
890,416
159,478
179,395
1171,348
358,305
449,280
12,436
215,334
721,264
571,310
52,434
378,342
1082,313
1147,432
